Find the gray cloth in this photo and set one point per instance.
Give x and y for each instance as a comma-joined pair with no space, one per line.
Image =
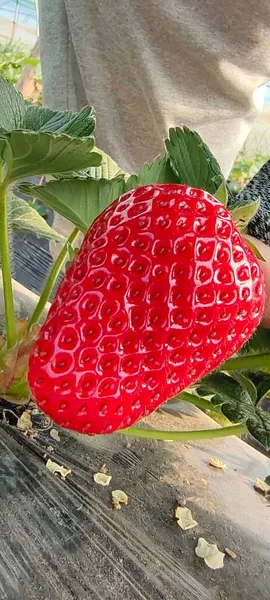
146,65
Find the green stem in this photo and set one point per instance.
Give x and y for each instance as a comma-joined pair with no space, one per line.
242,363
49,285
6,270
197,401
180,436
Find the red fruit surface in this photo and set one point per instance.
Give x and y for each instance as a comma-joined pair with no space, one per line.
162,291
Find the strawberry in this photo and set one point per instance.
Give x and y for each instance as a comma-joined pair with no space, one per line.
162,291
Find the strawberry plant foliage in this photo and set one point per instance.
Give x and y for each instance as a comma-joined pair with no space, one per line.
85,181
34,141
159,171
14,364
261,382
237,404
33,153
78,200
25,219
258,344
16,114
192,160
77,124
13,107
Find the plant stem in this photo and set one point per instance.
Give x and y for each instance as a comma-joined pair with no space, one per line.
6,270
48,287
197,401
180,436
242,363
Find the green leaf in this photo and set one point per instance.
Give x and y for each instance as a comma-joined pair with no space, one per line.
72,252
18,393
71,255
246,383
12,106
5,158
26,219
236,404
159,171
253,248
45,153
108,168
78,200
223,388
261,382
259,426
259,343
39,207
192,160
131,183
4,133
31,62
44,120
243,213
14,364
221,193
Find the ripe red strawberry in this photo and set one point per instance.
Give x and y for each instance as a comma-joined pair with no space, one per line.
162,291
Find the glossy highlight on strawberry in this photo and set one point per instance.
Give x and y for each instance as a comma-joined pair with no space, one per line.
162,291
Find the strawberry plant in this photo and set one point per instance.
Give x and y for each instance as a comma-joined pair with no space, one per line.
244,169
14,56
163,301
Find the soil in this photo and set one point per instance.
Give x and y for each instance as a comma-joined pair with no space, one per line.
62,540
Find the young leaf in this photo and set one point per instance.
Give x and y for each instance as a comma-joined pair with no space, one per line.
236,404
243,213
159,171
45,153
253,247
221,193
12,105
44,120
192,160
26,219
14,365
78,200
72,252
